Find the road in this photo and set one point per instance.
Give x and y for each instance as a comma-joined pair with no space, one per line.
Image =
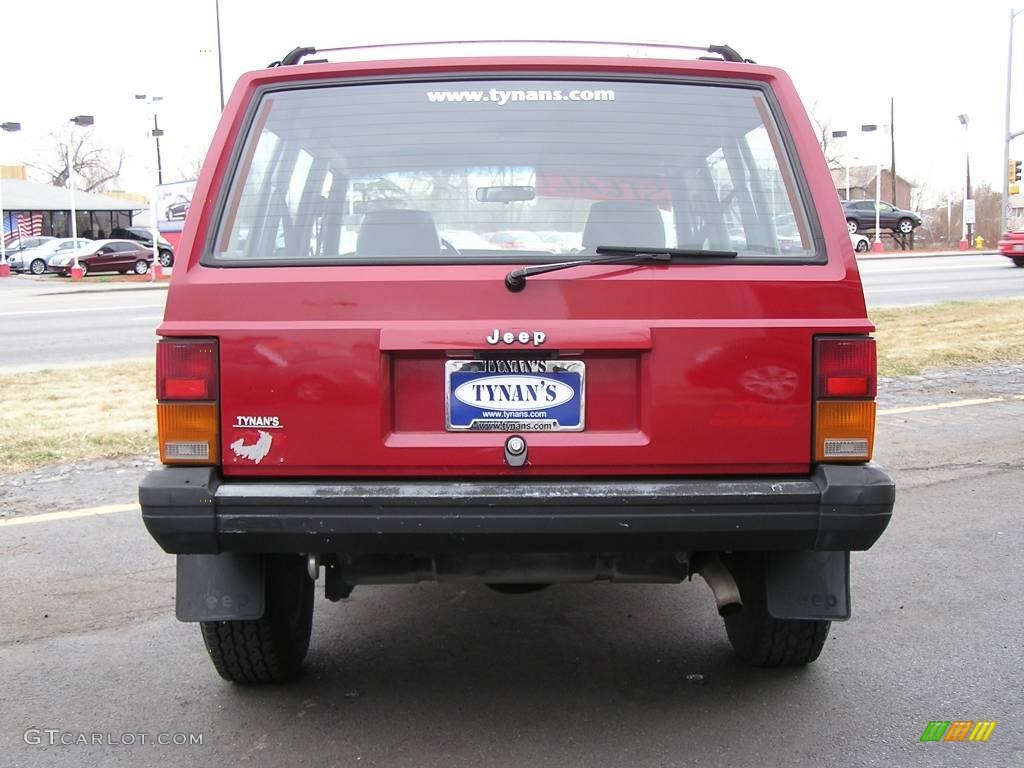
53,324
436,676
48,324
904,282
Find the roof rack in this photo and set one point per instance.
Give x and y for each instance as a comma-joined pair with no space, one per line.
727,53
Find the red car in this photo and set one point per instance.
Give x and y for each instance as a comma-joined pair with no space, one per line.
1011,245
346,398
122,256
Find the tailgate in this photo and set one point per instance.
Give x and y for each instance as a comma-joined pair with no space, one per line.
684,381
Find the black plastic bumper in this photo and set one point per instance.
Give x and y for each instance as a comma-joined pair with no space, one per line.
193,511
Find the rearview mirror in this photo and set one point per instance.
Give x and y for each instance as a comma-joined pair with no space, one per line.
505,194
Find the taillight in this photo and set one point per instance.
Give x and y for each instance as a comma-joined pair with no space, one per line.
188,391
845,388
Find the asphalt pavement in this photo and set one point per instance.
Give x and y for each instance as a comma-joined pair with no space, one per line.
893,282
619,675
51,322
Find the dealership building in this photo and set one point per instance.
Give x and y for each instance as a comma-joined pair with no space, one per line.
31,209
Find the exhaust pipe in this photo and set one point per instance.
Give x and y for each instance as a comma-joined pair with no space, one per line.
723,586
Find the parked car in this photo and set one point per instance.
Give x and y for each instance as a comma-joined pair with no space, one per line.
145,236
25,244
860,243
465,240
1011,245
564,242
37,260
860,215
644,413
520,240
106,256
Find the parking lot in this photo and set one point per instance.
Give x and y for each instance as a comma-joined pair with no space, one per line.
435,675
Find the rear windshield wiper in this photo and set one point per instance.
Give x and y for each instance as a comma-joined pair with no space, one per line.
612,254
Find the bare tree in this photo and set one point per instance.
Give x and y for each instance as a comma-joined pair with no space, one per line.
191,168
829,147
95,166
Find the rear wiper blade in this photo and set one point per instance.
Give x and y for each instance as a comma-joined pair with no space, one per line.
612,254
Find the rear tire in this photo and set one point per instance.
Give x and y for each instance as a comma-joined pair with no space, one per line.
1018,261
269,649
37,267
863,246
756,637
141,267
851,225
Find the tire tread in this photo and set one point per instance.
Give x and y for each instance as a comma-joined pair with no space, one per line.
762,640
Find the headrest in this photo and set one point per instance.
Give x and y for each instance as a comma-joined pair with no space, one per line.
398,233
624,223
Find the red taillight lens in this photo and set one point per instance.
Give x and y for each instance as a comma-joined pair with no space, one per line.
186,369
186,372
846,369
844,412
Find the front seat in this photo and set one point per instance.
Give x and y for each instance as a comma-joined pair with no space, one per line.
398,233
629,223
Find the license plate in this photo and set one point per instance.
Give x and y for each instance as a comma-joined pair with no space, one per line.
514,395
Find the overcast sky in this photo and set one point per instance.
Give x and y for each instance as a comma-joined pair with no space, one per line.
65,57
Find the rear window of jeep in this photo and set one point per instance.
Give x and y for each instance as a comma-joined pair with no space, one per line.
510,171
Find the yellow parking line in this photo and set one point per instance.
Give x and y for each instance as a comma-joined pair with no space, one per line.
70,514
110,509
941,406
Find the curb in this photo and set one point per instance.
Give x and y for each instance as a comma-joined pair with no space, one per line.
108,289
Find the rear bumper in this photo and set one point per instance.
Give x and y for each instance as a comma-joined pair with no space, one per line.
194,511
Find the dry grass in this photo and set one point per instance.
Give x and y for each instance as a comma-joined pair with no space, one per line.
79,413
916,339
86,413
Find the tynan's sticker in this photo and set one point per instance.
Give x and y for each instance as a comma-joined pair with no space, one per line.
258,449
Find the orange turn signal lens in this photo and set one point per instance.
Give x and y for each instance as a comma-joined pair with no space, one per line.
844,431
187,433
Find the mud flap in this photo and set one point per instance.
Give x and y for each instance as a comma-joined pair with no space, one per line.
808,585
225,587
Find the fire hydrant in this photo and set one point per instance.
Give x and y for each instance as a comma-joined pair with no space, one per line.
979,242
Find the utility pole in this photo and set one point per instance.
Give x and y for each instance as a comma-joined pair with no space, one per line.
892,150
220,62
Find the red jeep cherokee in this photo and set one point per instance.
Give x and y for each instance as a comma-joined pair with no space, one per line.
678,391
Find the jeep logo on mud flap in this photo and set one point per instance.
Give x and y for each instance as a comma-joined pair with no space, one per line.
816,600
523,337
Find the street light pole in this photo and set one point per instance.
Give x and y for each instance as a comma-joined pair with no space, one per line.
156,133
5,268
156,271
81,121
1004,214
876,246
965,241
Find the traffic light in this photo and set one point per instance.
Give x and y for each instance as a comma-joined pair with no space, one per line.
1015,167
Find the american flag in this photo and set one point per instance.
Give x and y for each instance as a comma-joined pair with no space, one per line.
19,225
